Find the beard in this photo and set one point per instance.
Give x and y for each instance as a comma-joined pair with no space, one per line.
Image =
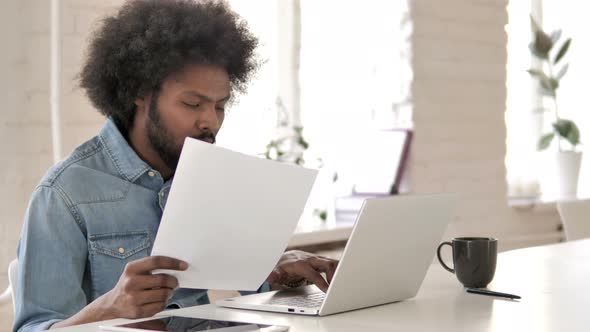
162,140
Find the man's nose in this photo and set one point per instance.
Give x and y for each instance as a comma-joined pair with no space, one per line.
209,120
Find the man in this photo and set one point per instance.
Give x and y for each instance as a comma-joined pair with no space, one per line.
160,71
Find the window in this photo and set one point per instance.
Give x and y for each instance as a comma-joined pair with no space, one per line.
351,70
355,74
251,122
572,18
524,124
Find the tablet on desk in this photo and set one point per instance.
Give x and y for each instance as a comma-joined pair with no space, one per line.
188,324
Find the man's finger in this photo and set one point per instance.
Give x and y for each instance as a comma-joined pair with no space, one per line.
147,264
154,295
306,271
160,280
274,277
325,265
151,309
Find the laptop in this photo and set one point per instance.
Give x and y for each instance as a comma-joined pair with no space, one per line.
385,260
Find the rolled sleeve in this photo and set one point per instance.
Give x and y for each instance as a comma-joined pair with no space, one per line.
52,256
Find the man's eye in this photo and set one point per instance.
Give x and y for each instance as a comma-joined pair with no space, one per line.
191,105
220,109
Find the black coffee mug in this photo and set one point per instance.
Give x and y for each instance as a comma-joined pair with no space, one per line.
474,260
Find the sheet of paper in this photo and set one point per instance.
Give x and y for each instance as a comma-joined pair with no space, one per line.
230,216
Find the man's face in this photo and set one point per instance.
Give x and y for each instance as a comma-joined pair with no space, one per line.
189,104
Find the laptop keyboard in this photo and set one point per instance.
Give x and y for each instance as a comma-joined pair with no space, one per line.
313,300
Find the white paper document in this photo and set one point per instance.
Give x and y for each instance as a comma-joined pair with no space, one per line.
230,216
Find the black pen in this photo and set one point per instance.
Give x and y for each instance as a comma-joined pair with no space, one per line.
492,293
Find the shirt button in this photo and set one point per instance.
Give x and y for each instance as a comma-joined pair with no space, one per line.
151,174
121,250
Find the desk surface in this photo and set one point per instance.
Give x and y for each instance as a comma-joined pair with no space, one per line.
552,280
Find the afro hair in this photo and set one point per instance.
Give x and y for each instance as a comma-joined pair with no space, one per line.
134,51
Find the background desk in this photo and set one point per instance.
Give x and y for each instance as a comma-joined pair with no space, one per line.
321,233
553,281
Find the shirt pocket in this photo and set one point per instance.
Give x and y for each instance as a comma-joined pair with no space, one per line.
109,253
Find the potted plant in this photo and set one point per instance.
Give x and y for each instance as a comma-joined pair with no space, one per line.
564,132
290,146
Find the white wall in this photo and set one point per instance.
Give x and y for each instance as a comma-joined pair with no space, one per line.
25,134
12,96
459,94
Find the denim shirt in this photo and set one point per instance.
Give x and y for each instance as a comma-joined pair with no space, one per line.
91,214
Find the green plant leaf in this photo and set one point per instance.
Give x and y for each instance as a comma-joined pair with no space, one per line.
303,143
548,84
553,84
541,45
562,71
537,73
562,50
535,52
568,130
562,127
322,214
545,141
574,135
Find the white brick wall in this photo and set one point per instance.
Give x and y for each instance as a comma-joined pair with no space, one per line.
459,56
25,134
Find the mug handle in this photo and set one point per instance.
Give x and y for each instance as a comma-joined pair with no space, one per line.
440,259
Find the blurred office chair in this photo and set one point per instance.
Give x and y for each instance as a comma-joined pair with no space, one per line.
575,216
8,294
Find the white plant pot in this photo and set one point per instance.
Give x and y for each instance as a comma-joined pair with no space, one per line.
561,173
568,172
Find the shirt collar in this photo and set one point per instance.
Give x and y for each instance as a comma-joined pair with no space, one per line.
127,162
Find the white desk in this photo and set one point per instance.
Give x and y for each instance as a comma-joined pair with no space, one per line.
553,281
320,233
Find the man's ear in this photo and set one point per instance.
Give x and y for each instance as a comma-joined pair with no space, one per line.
142,103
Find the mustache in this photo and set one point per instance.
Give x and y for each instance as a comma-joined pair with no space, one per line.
205,137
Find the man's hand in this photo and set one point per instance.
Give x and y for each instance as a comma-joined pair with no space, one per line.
142,294
297,265
138,293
